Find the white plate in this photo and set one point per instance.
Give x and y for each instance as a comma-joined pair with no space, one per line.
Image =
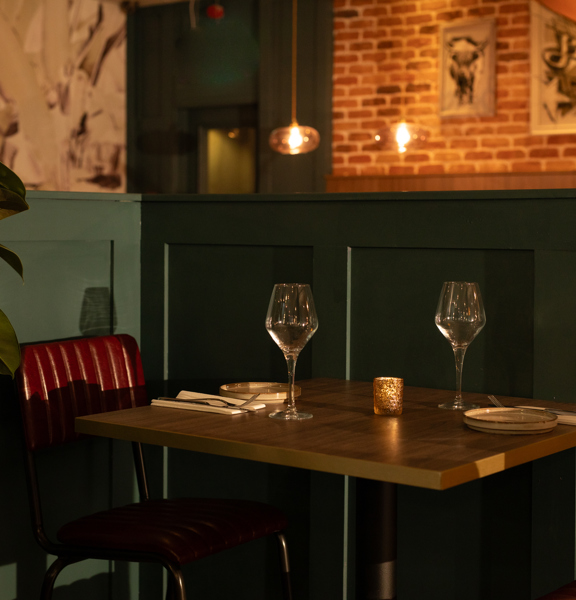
269,392
510,420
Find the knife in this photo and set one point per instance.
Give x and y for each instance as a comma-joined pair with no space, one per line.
223,403
555,411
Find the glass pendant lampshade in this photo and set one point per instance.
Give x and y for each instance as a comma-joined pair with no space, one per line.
294,139
401,136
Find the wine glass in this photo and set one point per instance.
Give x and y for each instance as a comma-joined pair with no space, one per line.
460,317
291,321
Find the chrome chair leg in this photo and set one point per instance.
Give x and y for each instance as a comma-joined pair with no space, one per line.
284,566
176,589
50,577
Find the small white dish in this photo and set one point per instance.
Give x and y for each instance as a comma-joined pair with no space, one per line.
512,421
269,392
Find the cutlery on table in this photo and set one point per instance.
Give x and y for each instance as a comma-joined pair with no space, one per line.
555,411
214,402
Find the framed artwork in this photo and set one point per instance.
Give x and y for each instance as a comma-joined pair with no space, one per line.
468,68
553,72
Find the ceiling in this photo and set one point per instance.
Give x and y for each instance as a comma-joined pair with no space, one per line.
566,8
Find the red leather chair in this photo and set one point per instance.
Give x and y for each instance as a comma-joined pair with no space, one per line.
58,381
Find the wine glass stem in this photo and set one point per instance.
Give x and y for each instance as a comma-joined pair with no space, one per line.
291,363
459,359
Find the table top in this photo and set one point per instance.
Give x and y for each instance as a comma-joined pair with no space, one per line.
425,446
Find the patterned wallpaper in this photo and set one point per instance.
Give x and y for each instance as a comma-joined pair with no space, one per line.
63,93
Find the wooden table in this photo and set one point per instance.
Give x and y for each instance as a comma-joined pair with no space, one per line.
424,447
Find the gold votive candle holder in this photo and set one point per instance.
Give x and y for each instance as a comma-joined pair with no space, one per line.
388,395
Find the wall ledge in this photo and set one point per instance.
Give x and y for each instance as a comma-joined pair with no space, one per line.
456,182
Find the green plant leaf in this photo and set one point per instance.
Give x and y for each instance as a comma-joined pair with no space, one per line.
9,347
12,193
12,259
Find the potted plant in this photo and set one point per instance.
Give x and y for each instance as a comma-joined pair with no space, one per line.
12,201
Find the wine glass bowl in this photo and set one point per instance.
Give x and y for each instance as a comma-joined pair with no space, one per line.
460,317
291,321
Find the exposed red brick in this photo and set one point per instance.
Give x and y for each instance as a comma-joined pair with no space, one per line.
359,137
375,12
404,8
431,170
544,153
360,158
469,143
450,15
386,58
464,168
389,89
401,170
559,165
343,36
387,44
388,112
482,11
374,101
562,139
429,30
510,154
361,69
509,8
525,167
389,21
345,172
418,19
361,46
359,114
478,156
417,158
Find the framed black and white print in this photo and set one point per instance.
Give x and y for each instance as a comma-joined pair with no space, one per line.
468,68
553,72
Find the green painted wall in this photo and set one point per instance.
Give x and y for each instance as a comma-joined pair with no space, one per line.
79,251
191,277
376,263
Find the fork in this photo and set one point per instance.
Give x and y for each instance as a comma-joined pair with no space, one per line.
212,401
495,401
555,411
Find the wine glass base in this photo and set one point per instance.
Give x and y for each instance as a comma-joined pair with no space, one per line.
457,405
288,415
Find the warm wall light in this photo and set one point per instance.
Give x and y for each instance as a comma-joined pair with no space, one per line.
295,139
401,136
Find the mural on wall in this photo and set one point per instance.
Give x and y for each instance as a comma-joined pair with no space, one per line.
467,72
553,82
63,93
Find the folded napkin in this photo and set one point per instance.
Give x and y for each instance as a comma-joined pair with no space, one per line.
215,404
565,419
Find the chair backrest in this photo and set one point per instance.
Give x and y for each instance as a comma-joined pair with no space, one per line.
58,381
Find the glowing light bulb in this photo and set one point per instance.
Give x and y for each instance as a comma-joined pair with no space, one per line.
402,137
295,140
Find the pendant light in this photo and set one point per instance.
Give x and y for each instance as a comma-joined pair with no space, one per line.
295,139
401,136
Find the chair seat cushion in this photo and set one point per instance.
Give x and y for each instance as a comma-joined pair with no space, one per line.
181,530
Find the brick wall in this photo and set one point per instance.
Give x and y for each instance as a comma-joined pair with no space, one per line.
386,56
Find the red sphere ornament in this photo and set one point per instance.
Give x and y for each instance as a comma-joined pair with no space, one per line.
215,11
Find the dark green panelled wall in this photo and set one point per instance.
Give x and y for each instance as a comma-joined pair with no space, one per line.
226,74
